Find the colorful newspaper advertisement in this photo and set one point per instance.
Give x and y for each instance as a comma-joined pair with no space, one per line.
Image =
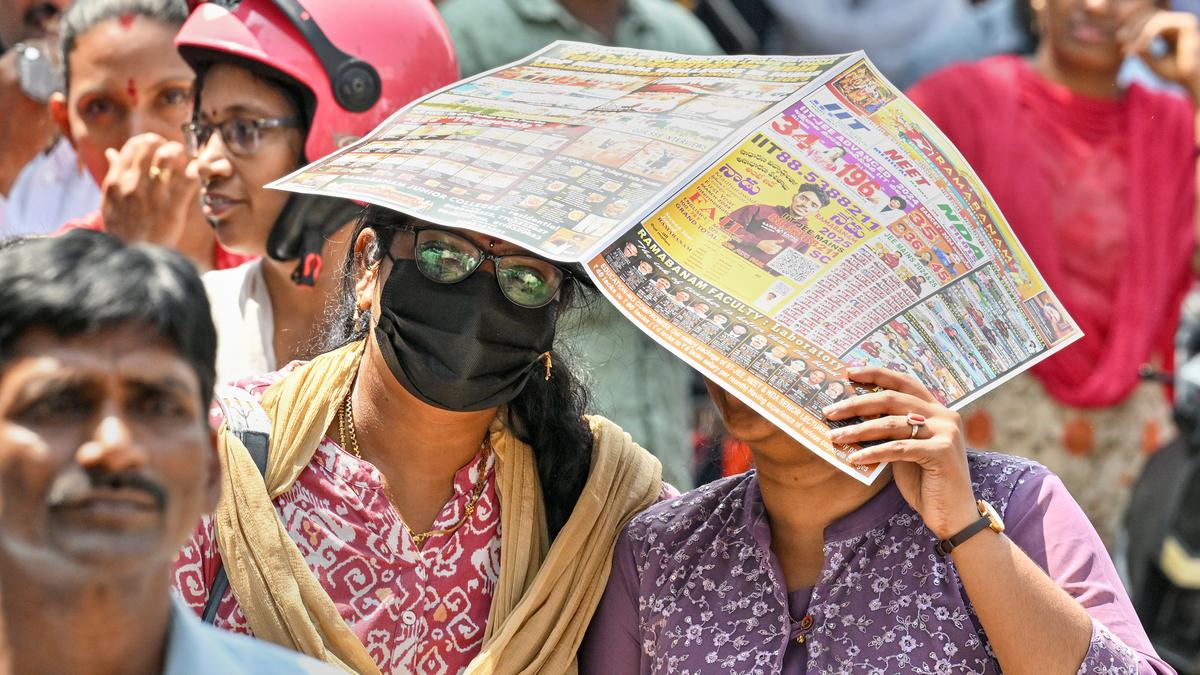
844,231
563,149
820,222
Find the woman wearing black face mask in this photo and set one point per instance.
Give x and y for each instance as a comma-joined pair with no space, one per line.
436,501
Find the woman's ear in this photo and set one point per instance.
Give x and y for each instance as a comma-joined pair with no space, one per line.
366,270
58,111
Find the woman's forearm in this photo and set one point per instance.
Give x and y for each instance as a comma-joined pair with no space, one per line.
1033,625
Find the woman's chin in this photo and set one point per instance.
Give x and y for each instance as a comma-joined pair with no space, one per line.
238,238
1089,56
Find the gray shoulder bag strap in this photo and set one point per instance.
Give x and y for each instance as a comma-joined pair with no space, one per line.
248,421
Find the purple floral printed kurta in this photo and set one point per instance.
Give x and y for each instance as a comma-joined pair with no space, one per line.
696,589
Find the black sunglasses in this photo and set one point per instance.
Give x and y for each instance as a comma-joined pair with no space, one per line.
448,258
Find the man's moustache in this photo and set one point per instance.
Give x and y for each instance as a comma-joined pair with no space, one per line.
78,486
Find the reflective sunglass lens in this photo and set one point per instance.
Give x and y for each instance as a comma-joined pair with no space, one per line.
529,283
443,260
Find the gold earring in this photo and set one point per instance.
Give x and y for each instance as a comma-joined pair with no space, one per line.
549,364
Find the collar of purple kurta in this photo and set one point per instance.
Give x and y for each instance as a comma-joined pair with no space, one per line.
874,513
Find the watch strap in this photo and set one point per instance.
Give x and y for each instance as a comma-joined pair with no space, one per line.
945,546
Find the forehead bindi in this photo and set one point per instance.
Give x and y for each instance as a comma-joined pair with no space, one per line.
486,242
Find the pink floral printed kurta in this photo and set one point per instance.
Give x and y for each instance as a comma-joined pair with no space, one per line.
416,610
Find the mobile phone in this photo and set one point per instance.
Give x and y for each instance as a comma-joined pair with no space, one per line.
1160,47
38,75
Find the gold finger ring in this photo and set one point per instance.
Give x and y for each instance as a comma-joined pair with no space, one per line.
916,421
157,173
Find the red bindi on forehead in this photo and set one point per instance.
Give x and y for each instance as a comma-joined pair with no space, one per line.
126,20
131,89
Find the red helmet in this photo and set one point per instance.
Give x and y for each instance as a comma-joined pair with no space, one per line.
361,60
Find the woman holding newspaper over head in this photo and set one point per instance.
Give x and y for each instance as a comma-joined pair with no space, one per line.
819,560
435,499
797,568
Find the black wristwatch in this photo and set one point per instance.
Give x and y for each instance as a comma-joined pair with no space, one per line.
988,519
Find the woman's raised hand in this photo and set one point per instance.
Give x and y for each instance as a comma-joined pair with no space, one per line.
148,190
1169,43
930,466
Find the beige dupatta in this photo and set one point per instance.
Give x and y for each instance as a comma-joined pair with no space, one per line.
545,595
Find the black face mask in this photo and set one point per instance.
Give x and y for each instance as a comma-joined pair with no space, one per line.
460,346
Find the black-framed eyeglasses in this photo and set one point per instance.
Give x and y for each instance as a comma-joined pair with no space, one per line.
448,258
242,135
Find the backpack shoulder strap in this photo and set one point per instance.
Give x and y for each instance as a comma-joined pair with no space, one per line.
246,419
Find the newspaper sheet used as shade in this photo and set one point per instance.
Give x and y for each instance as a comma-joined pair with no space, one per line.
770,220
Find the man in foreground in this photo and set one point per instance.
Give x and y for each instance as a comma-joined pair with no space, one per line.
106,461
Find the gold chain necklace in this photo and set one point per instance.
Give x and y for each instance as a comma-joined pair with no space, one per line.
346,418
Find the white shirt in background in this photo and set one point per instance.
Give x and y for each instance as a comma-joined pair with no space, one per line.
52,189
241,310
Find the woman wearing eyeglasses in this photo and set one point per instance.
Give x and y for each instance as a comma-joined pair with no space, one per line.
435,499
266,104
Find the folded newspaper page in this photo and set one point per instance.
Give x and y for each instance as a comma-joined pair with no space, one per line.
770,220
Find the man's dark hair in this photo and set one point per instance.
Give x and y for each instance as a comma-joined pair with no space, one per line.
84,15
85,282
822,196
900,200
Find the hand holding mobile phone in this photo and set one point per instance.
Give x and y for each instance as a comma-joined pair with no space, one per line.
1169,43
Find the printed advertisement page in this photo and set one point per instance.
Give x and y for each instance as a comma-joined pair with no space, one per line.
846,230
563,150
